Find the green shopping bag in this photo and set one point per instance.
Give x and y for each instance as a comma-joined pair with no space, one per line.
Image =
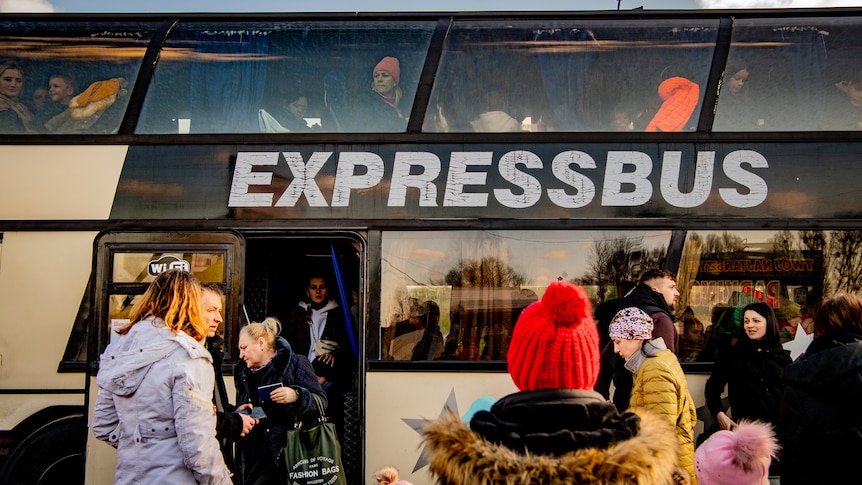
313,453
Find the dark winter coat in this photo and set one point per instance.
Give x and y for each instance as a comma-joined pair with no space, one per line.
612,370
752,372
298,334
820,421
228,423
553,436
260,450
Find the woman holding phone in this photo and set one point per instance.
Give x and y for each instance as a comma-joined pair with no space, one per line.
280,383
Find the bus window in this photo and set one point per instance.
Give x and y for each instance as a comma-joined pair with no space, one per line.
457,295
791,271
284,77
73,77
792,75
561,75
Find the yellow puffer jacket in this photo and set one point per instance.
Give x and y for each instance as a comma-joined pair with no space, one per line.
660,386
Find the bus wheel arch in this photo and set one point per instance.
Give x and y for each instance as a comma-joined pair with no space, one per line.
52,453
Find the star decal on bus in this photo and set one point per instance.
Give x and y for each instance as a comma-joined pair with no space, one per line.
451,406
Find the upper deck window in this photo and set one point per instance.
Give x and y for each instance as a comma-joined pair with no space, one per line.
792,75
566,75
286,77
68,78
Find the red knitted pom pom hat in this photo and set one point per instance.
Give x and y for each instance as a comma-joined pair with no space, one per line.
555,344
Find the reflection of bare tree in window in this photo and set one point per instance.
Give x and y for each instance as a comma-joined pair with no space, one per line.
723,244
784,243
817,242
622,259
611,262
488,271
846,265
486,302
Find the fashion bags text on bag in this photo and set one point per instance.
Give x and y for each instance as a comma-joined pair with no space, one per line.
313,453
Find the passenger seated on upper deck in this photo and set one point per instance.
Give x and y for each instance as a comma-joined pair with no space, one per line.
734,103
845,105
287,115
61,90
14,116
40,106
680,98
92,111
382,110
494,118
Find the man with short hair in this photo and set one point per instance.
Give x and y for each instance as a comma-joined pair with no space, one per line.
230,425
655,295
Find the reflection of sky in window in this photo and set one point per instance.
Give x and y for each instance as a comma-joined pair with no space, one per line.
541,256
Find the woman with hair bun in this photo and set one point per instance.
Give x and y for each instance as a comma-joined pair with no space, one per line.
155,390
266,359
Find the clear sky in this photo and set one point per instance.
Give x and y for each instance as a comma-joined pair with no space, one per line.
110,6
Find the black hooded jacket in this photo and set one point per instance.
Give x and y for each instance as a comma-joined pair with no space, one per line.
820,421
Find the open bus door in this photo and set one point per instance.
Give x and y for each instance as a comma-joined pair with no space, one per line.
125,263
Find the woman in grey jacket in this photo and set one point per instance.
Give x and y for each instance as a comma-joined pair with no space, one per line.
155,390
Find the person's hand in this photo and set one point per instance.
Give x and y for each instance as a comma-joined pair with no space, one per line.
284,395
243,407
327,359
724,421
247,423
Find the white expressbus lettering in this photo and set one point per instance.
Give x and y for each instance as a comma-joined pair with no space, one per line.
626,182
346,178
402,178
459,177
585,189
615,177
757,189
303,179
702,179
243,177
530,186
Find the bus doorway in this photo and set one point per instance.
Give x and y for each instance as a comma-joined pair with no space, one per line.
279,272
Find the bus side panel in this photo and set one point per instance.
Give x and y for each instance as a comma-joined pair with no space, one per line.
393,397
397,401
59,182
43,276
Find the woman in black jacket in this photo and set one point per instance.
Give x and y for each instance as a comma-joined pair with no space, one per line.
267,359
820,422
751,369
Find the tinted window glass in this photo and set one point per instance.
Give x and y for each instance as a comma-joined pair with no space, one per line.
792,75
286,77
457,295
792,271
68,78
558,75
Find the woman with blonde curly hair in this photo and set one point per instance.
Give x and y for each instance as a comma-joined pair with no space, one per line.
155,390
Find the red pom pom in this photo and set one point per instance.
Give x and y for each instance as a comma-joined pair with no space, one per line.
566,304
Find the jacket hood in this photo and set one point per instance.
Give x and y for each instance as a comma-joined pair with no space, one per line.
125,363
461,456
647,300
829,359
329,305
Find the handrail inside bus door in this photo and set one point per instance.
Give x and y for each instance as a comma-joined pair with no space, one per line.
348,320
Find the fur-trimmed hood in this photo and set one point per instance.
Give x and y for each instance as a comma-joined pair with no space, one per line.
461,456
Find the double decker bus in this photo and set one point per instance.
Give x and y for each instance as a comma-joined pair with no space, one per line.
516,149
